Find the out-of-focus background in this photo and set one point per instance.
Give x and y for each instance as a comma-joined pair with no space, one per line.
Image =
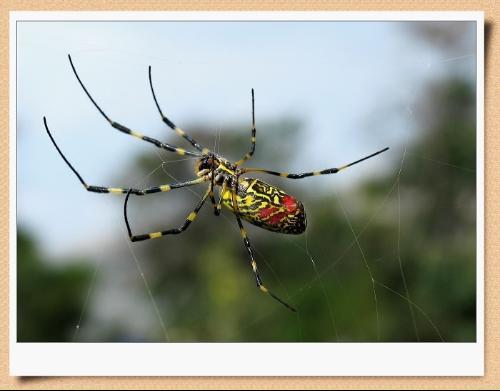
389,252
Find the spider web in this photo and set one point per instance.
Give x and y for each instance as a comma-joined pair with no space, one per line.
376,284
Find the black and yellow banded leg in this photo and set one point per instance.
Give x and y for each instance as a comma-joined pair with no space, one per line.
312,173
258,278
252,149
170,124
212,197
212,186
234,194
163,188
141,192
218,204
126,130
174,231
121,190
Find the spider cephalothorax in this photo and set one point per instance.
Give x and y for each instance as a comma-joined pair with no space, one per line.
251,199
207,163
213,164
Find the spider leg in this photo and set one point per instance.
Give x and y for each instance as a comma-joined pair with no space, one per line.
119,190
218,205
124,129
174,231
170,124
258,278
312,173
248,246
211,188
212,199
252,150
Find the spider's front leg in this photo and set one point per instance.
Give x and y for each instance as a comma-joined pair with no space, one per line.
118,190
126,130
252,149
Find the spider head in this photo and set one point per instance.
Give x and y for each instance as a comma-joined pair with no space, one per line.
207,163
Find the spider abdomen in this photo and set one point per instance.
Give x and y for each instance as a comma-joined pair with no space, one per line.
267,206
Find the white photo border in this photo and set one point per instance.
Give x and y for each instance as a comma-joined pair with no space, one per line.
248,359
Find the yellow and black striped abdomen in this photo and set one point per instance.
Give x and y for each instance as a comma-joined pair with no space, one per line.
267,207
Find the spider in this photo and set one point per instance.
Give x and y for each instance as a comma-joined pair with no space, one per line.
250,199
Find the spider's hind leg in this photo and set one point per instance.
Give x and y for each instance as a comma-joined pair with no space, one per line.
258,278
248,246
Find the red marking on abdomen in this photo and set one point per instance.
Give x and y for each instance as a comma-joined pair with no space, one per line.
277,218
290,203
266,212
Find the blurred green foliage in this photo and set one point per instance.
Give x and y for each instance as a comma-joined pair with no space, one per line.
49,297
